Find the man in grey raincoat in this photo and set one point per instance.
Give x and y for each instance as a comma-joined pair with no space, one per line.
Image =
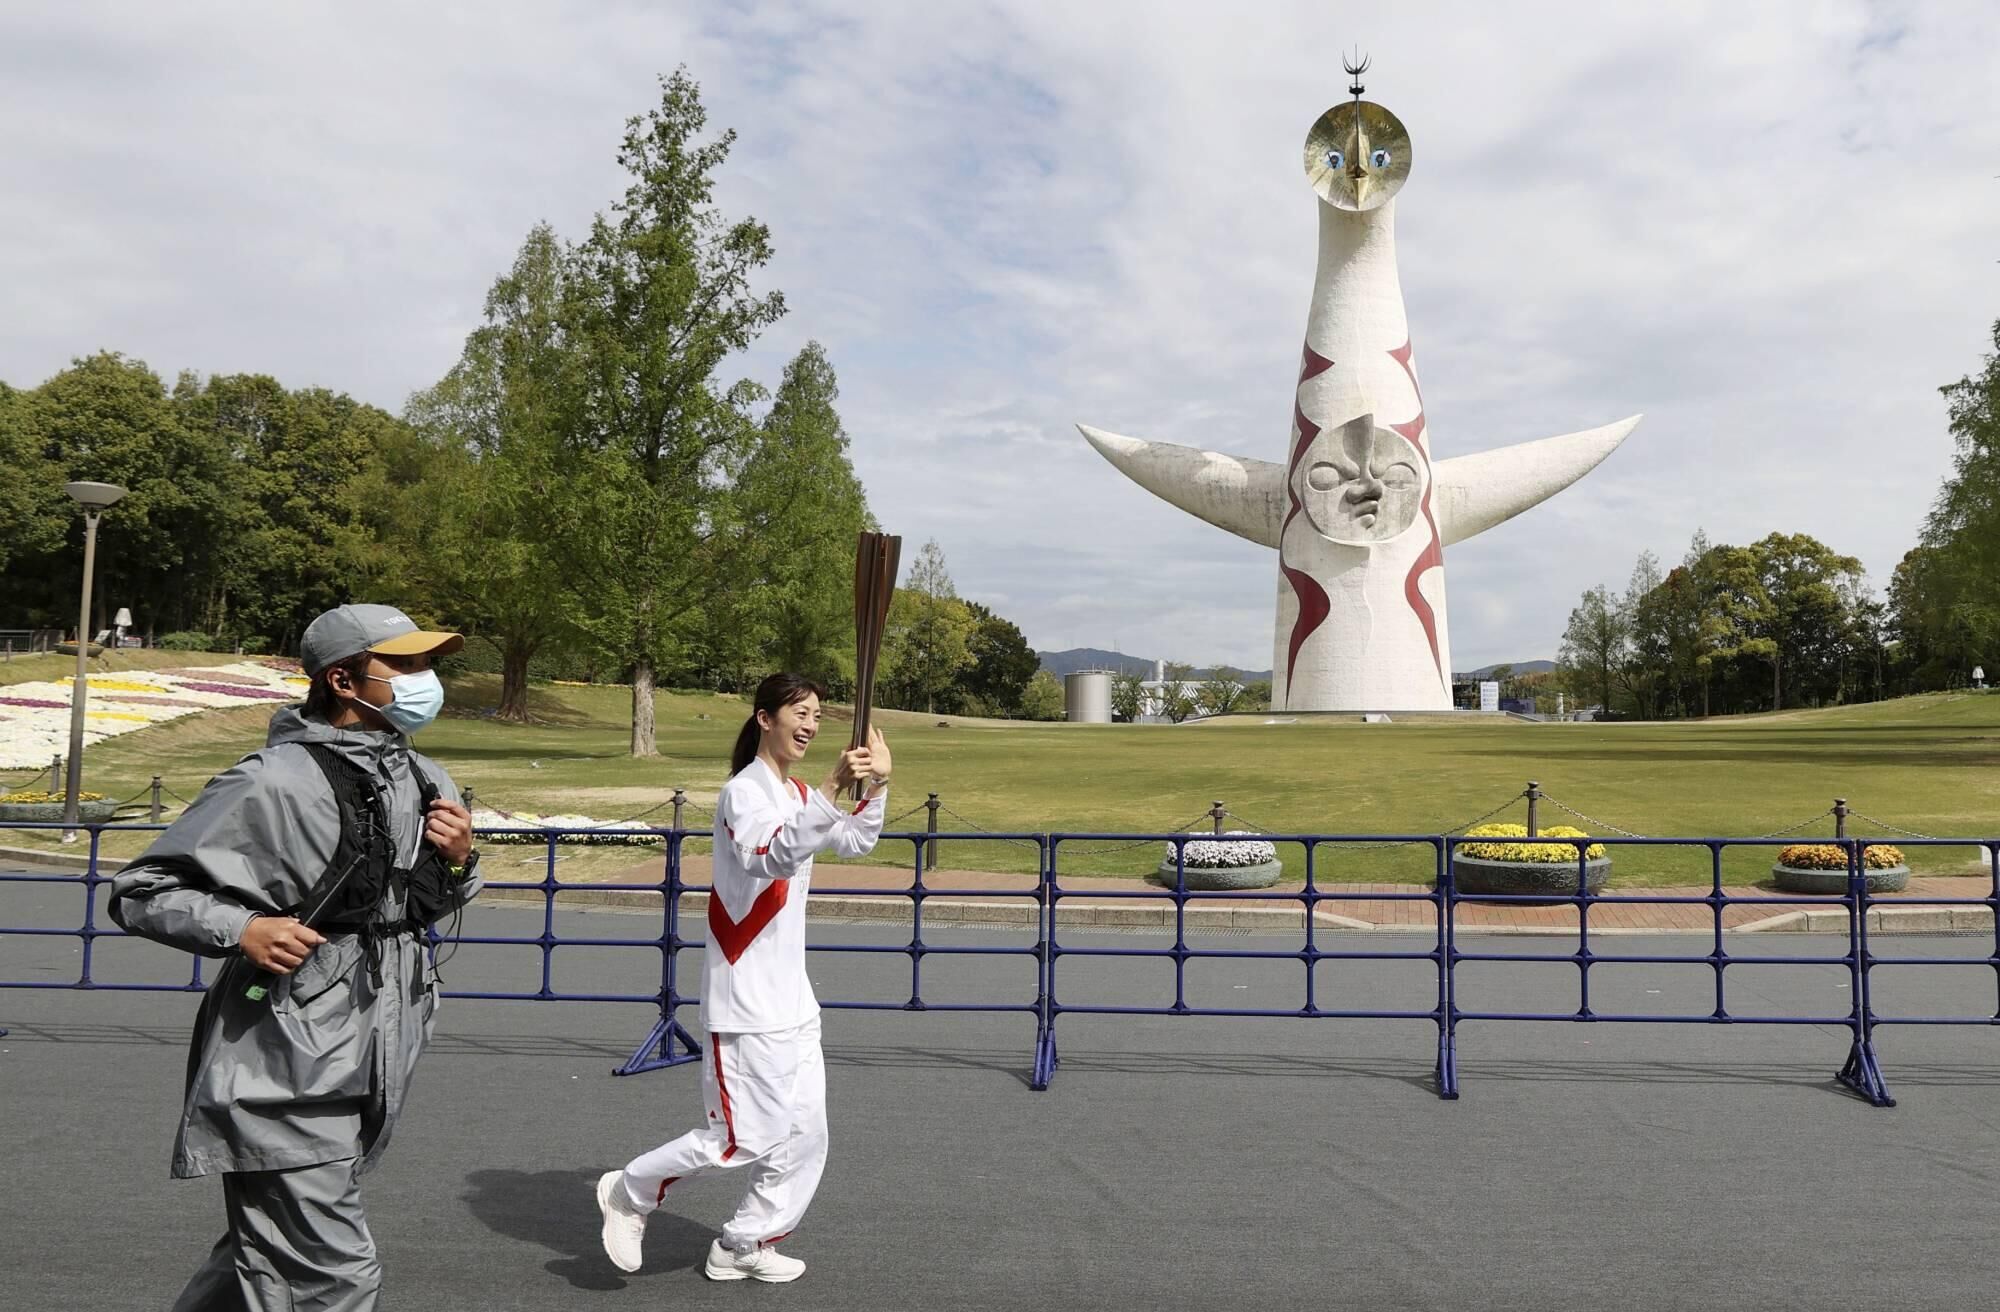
306,1041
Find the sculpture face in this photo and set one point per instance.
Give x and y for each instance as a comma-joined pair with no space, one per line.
1361,484
1357,155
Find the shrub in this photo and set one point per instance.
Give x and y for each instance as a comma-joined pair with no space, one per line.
188,640
1543,853
1832,856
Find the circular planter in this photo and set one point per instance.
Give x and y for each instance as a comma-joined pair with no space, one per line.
1798,879
1262,875
1553,879
86,812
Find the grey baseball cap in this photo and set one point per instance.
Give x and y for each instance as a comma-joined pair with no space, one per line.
350,630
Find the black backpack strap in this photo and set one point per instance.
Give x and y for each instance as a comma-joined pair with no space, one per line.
346,896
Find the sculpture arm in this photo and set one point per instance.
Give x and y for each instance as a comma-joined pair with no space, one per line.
1246,497
1476,492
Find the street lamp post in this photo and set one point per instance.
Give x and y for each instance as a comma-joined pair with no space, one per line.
95,498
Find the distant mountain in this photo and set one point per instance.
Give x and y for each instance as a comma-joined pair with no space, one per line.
1060,663
1519,667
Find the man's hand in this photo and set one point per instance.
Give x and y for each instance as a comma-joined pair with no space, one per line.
449,829
278,944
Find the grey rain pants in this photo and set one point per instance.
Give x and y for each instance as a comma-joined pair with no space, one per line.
297,1242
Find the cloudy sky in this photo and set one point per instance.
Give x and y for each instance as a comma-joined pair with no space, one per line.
1769,227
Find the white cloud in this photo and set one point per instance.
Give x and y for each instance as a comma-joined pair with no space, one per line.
1766,226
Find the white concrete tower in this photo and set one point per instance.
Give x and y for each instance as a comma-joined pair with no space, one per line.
1359,512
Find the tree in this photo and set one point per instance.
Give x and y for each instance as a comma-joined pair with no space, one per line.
1953,588
509,534
309,513
929,638
1256,696
1177,699
1003,664
663,298
32,503
1646,650
1221,692
1594,645
108,419
1128,696
1043,698
797,509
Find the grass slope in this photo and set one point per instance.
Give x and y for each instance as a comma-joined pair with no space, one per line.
1924,763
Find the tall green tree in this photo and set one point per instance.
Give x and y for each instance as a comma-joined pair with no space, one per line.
32,505
664,298
1953,591
1594,646
510,532
928,643
796,509
1646,659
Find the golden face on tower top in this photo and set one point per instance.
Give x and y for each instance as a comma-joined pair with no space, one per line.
1357,155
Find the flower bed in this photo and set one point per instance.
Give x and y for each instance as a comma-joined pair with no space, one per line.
34,717
1822,868
626,832
34,805
1245,863
1520,867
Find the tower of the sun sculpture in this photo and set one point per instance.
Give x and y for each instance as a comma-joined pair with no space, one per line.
1360,512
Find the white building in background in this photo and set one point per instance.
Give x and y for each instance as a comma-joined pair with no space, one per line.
1153,694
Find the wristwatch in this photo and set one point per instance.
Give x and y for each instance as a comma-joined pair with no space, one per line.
464,872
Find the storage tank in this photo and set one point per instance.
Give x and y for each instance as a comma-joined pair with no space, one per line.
1087,696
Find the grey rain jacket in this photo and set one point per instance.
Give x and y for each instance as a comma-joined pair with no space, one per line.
316,1071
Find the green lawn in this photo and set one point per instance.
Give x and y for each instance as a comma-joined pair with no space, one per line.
1923,763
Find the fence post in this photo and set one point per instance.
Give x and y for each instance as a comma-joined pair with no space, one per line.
55,775
930,847
154,812
1534,796
1216,812
1840,817
468,800
680,801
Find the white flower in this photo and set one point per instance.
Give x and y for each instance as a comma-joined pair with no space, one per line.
598,831
1240,852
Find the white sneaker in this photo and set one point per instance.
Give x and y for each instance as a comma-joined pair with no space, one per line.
624,1224
766,1264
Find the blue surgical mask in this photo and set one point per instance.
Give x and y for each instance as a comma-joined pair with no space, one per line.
416,699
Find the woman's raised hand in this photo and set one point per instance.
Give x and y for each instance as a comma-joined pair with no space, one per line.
879,762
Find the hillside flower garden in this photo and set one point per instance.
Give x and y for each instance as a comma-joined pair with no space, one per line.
34,717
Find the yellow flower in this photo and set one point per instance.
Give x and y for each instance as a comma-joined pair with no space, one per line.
43,799
118,685
1832,856
1539,852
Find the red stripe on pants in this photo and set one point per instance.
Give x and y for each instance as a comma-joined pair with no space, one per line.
728,1118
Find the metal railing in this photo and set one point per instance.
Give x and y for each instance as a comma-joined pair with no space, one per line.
1450,1002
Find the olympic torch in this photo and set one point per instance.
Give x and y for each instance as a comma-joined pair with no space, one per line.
875,560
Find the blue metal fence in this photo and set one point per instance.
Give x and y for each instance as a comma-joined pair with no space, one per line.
669,1043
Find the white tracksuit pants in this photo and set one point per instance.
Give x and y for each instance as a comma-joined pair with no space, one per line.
766,1096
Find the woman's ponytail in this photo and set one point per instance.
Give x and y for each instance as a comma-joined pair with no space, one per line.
746,745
